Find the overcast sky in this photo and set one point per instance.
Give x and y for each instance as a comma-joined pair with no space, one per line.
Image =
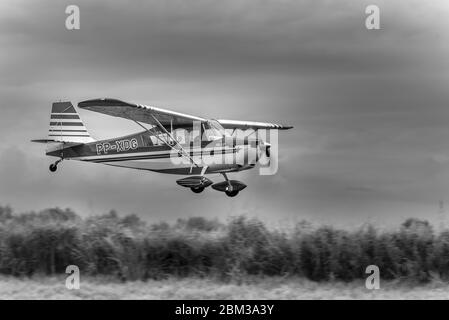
370,107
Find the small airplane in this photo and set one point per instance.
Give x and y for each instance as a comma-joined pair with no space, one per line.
173,143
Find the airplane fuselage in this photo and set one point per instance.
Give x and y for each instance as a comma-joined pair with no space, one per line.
145,151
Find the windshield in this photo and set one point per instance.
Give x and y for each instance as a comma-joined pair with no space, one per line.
214,130
215,125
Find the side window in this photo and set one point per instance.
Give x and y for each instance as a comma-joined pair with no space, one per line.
181,135
146,140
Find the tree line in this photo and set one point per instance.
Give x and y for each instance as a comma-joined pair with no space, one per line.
128,248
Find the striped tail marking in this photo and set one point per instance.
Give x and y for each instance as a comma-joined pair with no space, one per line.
66,124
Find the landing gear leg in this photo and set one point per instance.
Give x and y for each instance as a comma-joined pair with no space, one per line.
230,192
54,166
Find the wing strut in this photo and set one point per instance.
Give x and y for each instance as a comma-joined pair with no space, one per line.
176,141
181,151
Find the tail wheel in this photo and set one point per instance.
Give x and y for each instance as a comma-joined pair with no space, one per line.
53,167
197,189
232,193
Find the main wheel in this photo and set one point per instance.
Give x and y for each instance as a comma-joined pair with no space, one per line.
53,167
232,193
197,189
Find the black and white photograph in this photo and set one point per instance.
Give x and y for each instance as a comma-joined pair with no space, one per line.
235,150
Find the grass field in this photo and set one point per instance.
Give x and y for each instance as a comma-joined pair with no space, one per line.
194,288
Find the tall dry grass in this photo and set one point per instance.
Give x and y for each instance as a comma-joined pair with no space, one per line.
129,249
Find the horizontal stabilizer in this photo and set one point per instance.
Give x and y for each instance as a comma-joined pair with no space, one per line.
65,143
43,140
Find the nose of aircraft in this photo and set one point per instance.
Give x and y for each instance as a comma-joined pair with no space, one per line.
265,154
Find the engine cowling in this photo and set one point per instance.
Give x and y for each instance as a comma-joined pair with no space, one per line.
268,157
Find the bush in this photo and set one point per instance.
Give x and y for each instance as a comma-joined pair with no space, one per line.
125,247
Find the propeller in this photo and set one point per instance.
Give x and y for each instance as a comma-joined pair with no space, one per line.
268,156
264,153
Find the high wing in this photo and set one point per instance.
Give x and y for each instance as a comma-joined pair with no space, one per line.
140,113
163,120
237,124
169,119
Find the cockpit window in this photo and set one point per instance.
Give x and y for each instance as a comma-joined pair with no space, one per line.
213,130
216,126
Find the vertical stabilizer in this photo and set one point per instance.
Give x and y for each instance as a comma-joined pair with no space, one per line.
66,124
